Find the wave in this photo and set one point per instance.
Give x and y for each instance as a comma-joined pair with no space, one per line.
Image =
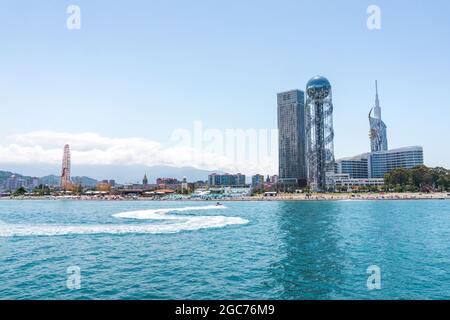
183,223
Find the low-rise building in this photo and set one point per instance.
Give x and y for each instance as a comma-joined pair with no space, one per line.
343,180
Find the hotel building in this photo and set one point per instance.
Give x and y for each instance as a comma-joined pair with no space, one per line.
226,180
356,167
382,162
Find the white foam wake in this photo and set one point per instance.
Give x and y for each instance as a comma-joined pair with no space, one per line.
161,214
182,223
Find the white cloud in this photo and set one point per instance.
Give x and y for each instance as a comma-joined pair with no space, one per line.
46,147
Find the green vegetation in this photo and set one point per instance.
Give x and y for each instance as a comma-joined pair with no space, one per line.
20,192
42,190
420,178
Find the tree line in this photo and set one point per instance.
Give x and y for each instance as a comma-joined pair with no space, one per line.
420,178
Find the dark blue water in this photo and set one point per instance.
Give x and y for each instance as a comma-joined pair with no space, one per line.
248,250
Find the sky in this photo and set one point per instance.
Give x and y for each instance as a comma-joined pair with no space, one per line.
138,75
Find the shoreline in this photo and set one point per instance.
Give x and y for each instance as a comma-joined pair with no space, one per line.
281,197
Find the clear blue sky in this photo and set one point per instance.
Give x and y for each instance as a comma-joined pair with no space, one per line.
145,68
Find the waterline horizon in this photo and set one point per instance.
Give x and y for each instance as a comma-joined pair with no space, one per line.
279,197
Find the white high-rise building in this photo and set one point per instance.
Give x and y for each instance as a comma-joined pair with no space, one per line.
378,133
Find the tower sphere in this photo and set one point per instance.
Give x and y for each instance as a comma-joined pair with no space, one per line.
318,87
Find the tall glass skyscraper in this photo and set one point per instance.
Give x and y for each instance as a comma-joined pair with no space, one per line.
291,138
319,133
377,134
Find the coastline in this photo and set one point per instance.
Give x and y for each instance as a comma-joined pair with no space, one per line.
280,197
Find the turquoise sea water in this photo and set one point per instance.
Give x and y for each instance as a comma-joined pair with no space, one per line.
246,250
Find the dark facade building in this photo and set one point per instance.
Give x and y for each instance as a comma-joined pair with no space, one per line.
145,180
167,181
291,138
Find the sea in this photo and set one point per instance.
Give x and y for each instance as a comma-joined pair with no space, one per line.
295,250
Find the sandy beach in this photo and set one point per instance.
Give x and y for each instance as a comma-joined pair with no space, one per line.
355,196
278,197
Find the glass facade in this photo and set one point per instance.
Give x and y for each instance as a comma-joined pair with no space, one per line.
258,181
230,180
382,162
378,131
291,135
378,135
356,167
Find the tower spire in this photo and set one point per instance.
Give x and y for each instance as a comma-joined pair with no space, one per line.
145,180
377,109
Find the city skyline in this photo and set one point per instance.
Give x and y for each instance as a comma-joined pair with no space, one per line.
123,107
374,123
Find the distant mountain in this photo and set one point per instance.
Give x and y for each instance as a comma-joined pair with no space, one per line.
120,173
50,180
56,180
135,173
85,181
4,175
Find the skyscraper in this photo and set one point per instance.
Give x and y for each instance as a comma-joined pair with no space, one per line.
319,133
377,134
291,138
65,172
